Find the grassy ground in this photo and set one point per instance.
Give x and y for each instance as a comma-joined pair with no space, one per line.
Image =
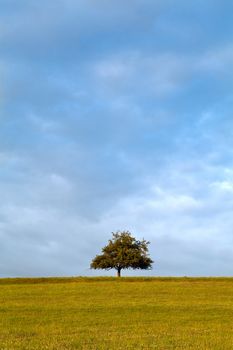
106,313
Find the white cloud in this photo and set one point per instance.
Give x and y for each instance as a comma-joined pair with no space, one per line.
225,186
104,129
218,59
160,73
43,124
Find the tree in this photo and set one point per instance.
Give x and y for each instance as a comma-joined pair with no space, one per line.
123,251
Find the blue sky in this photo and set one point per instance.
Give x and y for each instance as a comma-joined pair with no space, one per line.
116,115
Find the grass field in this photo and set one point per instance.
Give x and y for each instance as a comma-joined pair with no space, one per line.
110,313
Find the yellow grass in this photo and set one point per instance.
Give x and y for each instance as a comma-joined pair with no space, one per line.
106,313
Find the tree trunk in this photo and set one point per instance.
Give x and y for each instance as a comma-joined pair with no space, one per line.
119,272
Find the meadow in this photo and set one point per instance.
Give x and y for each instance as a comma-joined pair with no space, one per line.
111,313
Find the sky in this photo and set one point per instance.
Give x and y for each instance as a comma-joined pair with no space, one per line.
116,115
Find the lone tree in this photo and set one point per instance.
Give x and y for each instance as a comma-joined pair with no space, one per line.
123,252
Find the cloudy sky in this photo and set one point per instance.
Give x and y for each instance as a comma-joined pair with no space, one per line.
116,115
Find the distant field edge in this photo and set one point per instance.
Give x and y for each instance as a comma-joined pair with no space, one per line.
80,279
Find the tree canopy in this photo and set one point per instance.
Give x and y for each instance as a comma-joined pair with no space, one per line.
123,251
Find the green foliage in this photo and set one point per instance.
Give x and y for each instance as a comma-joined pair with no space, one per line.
123,252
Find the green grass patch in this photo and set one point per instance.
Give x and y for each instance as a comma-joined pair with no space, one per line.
110,313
